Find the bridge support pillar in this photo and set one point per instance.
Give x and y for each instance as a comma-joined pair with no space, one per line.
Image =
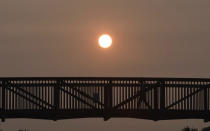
162,99
56,99
3,101
205,97
156,103
108,101
162,96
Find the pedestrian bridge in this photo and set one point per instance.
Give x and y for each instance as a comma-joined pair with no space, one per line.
56,98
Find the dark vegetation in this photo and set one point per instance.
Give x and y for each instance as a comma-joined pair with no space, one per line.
206,128
194,129
184,129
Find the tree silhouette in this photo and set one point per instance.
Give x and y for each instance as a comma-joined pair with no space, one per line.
188,129
23,130
194,129
206,128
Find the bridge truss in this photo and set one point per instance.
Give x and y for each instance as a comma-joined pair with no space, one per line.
81,97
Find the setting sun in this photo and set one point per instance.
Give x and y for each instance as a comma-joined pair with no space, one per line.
105,41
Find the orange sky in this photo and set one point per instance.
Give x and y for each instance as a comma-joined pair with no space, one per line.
59,38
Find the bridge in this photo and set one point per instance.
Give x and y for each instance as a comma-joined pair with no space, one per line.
56,98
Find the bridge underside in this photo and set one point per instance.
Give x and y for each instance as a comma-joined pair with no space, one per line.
88,97
144,114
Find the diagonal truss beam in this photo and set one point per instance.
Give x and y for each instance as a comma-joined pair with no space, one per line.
31,95
25,97
78,98
135,96
82,93
184,98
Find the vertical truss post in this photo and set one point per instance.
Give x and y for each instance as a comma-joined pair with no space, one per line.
3,101
206,104
156,102
162,99
56,98
108,100
156,98
162,96
205,99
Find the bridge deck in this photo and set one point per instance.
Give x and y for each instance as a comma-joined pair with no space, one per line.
80,97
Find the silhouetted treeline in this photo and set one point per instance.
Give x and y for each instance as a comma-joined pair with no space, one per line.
206,128
184,129
188,129
194,129
23,130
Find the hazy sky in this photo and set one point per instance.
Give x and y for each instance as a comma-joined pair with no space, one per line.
158,38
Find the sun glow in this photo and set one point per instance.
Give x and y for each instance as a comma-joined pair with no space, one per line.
105,41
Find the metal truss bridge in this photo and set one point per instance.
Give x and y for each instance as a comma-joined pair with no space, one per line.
58,98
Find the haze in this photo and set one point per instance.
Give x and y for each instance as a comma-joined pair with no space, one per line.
164,38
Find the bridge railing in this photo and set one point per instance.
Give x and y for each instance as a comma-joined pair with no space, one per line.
105,94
